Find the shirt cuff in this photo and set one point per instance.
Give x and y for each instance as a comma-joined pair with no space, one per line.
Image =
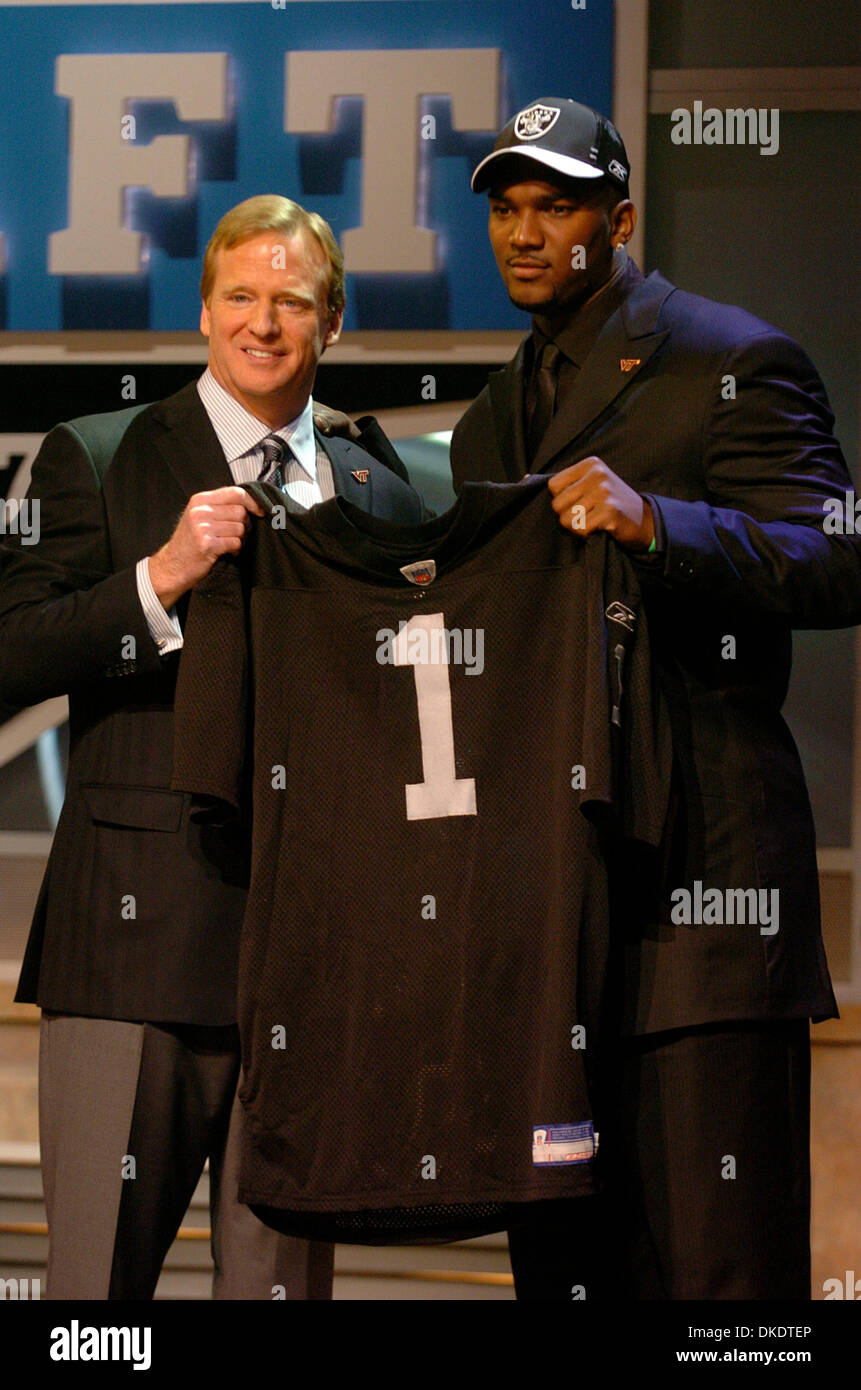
654,558
164,627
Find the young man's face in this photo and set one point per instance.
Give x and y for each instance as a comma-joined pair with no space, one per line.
536,229
267,323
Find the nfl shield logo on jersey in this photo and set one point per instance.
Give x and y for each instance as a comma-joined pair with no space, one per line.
535,121
422,572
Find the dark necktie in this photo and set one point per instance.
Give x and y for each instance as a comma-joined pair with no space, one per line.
273,453
542,403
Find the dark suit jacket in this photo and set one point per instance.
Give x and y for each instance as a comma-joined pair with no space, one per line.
133,921
722,422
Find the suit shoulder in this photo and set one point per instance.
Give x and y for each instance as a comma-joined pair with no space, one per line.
473,411
718,327
101,435
94,438
477,414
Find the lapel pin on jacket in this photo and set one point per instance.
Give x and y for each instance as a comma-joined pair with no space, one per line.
361,475
627,364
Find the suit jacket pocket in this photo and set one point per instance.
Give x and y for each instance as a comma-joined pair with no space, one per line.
142,808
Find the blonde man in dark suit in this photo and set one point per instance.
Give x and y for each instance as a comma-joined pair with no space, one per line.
133,949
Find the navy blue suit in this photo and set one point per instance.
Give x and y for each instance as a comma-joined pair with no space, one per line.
723,424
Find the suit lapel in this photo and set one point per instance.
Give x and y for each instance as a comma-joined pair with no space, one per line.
506,403
624,347
190,448
188,444
347,462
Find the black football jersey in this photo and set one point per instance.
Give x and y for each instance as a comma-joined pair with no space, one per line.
431,731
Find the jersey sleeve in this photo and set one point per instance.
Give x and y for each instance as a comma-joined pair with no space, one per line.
211,709
627,741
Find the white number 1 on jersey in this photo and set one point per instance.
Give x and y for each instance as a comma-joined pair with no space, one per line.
441,793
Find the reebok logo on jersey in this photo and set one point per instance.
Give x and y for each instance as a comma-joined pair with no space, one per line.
621,613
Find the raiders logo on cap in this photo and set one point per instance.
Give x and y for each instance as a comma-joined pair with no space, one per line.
535,121
563,136
422,572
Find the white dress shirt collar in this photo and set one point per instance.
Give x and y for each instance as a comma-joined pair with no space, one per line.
239,432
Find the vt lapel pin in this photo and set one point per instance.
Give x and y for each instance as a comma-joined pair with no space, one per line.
627,364
361,475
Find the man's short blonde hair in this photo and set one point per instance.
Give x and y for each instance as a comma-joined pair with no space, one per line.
271,213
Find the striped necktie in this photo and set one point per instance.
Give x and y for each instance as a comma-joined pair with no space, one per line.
273,450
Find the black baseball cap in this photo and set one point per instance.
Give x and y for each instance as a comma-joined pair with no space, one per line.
570,139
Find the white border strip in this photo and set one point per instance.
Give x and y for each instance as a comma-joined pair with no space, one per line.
25,844
835,861
373,348
22,730
790,89
413,420
14,1152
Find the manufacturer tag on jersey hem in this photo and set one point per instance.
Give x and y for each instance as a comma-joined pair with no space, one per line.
564,1144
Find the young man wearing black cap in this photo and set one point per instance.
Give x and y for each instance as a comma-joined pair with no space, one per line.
701,439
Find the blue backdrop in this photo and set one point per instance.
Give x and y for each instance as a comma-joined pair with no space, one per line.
547,48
